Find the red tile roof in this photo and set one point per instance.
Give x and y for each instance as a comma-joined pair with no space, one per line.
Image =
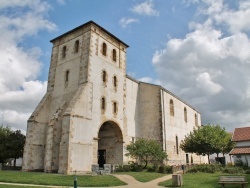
245,150
241,134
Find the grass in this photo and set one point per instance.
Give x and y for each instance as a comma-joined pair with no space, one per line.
204,180
143,176
18,186
58,179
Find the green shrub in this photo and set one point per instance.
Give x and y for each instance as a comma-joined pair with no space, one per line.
240,163
122,168
216,168
153,168
192,170
233,170
165,169
135,167
126,168
162,169
119,168
169,169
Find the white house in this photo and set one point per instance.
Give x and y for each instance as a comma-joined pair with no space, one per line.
241,137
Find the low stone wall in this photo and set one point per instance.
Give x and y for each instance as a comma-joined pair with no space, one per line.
107,169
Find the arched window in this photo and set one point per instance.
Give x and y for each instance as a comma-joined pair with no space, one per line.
64,52
171,106
104,76
104,49
196,120
115,81
67,76
115,107
177,144
185,114
103,102
76,48
114,55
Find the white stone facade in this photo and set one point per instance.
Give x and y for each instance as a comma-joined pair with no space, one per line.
92,110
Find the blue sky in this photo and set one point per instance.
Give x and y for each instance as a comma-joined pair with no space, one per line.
145,34
197,49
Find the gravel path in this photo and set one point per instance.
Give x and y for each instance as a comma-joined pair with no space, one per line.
133,183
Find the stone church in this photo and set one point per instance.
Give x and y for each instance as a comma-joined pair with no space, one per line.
92,109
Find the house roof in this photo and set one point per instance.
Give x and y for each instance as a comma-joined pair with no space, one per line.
243,150
241,134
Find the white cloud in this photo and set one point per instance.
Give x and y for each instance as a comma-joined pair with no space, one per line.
205,83
131,74
25,99
220,13
210,69
149,80
19,90
16,3
62,2
237,21
213,7
124,22
17,105
145,8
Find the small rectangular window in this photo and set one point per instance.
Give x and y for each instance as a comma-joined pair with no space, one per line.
104,49
171,105
115,81
103,103
76,46
67,76
114,55
115,107
104,76
64,52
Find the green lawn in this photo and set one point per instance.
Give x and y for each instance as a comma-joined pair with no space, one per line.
17,186
143,176
204,180
192,180
58,179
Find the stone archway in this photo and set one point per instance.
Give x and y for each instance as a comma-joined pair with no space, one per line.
110,144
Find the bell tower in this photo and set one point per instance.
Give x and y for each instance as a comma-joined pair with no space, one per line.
86,88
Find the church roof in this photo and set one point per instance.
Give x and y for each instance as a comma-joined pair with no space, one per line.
164,89
85,24
241,134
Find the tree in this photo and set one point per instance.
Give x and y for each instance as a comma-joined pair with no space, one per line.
4,134
11,144
205,140
16,141
146,151
228,144
220,136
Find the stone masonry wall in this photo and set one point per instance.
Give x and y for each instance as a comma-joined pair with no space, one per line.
150,112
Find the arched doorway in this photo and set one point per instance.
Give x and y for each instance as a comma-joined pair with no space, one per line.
110,144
